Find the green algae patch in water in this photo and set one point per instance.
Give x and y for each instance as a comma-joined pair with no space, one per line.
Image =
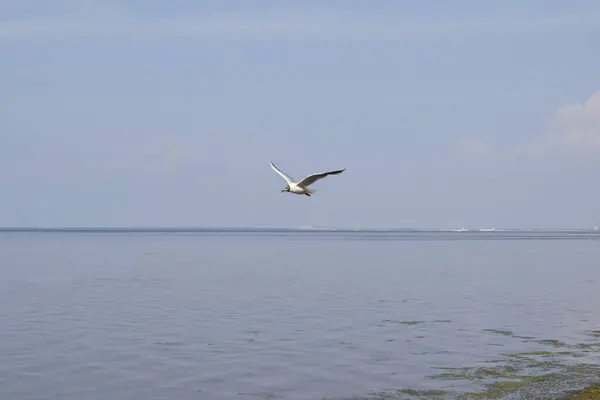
554,371
395,395
494,390
423,394
532,354
480,373
533,374
500,332
414,322
548,386
551,342
589,393
403,394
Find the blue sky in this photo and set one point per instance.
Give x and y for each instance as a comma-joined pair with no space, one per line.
444,114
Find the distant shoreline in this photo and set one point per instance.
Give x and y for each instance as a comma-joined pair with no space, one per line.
486,231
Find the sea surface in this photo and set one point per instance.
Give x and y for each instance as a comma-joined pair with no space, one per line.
278,314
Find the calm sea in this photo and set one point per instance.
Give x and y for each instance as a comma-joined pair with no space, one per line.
288,314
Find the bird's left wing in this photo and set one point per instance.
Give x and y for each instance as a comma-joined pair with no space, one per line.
287,178
309,180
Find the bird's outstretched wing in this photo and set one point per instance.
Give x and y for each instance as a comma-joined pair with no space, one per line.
287,178
309,180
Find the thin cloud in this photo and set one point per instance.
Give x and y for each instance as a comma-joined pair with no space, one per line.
94,19
573,130
473,147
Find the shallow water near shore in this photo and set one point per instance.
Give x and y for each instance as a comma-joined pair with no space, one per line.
297,314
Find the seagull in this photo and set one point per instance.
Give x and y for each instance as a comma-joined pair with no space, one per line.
301,187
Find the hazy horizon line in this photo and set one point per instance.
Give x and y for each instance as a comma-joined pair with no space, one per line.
175,228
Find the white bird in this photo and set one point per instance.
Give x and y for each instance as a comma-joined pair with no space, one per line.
302,186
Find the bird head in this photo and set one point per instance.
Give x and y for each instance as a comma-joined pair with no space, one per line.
286,188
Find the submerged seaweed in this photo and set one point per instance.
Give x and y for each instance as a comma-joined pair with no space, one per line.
536,374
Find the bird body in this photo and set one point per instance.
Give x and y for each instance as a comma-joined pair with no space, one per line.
301,188
297,189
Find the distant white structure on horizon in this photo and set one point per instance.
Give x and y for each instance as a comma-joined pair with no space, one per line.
318,228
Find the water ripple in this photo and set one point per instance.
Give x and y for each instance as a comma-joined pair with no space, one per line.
204,317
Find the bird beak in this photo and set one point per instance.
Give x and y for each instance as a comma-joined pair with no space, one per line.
283,191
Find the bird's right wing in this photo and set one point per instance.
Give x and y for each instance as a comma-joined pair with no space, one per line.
309,180
287,178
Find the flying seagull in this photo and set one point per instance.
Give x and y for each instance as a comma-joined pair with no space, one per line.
302,186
